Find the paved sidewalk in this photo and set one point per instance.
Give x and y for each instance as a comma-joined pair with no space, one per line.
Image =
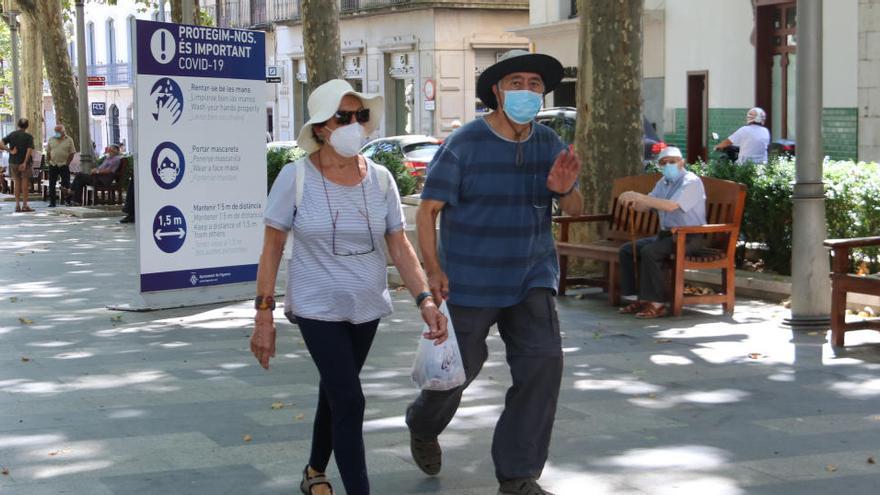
99,402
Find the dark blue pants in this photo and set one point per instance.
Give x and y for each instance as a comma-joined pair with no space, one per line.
530,331
339,350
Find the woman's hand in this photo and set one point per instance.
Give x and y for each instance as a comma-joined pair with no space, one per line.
263,338
436,321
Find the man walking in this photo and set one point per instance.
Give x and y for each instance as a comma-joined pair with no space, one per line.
20,145
495,180
61,151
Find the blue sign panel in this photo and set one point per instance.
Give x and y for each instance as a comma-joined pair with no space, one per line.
99,108
201,277
200,51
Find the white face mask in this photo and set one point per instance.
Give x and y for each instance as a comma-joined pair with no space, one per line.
347,140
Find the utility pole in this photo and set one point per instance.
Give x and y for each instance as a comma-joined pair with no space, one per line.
86,159
810,287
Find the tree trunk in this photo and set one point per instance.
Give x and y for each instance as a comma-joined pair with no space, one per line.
323,50
59,71
32,76
609,97
176,11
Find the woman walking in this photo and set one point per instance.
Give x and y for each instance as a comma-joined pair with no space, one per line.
337,285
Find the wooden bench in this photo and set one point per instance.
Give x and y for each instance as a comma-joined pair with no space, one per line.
112,193
616,234
844,282
725,202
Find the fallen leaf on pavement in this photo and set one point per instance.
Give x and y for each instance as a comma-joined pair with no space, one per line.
5,472
871,460
116,318
299,417
247,438
754,355
25,321
831,468
277,405
13,299
25,359
662,341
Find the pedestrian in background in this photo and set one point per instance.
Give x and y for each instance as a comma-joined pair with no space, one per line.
61,151
753,138
20,145
337,290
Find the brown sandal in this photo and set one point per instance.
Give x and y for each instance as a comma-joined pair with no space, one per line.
631,308
27,209
652,311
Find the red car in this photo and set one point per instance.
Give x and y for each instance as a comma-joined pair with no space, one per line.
416,151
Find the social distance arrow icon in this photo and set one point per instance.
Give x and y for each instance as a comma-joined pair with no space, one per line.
179,233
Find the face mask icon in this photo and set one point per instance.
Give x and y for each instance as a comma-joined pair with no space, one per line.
168,170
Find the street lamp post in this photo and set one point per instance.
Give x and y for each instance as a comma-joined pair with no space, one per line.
810,287
86,159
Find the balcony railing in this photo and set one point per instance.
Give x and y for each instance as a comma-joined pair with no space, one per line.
249,13
115,74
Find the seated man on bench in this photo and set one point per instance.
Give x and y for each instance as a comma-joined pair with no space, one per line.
102,175
680,201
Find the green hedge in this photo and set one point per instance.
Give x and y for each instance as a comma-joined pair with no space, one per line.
852,207
276,158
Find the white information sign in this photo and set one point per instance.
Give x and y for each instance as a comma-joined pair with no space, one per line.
201,164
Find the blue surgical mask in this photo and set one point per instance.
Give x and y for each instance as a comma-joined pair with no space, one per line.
521,106
671,172
57,135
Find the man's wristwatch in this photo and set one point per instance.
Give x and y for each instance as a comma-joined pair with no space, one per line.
421,298
573,187
264,302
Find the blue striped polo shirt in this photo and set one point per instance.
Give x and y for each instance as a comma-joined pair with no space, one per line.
495,229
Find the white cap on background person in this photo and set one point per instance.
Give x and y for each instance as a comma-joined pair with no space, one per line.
756,115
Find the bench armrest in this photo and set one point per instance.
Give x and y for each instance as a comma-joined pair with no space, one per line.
852,243
710,228
602,217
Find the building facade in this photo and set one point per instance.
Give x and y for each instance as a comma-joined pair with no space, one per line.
108,30
707,62
423,56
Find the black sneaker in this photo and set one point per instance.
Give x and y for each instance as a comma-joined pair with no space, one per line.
426,453
127,219
523,486
51,205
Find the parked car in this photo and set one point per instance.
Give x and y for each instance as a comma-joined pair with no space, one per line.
415,151
563,121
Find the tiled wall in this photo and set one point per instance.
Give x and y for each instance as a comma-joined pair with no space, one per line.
839,129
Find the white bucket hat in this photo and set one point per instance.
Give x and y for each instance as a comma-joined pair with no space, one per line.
324,102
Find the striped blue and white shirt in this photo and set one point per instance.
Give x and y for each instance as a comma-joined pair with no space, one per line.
495,229
346,281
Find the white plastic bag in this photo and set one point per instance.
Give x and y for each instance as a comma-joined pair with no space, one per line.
439,367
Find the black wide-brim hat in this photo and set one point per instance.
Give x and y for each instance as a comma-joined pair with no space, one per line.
518,61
